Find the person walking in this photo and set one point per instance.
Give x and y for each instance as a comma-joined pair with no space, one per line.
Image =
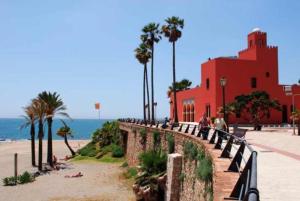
204,126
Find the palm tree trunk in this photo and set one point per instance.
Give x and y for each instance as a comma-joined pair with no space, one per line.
70,148
148,97
32,133
41,135
174,88
152,84
50,154
144,94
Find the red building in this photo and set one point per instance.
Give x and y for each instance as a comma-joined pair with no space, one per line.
255,68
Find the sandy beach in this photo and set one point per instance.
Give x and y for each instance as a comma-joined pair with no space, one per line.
100,181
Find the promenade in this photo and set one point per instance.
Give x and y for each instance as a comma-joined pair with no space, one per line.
278,163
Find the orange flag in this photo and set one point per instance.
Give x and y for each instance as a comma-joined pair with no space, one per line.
97,106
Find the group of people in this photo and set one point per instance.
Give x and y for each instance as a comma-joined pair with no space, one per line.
205,124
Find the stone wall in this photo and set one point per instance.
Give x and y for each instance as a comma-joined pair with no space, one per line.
192,189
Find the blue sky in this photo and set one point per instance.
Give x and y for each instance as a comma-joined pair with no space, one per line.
84,49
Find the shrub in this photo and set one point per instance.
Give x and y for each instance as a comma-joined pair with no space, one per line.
131,173
117,151
143,135
108,134
26,177
190,150
171,143
156,140
9,181
205,169
88,150
153,162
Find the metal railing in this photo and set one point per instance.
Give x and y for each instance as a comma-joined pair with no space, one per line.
245,188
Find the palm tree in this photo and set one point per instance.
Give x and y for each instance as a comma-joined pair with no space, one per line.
143,55
30,121
54,106
184,84
39,108
172,31
150,36
64,132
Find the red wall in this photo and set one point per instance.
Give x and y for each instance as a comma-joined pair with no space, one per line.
255,61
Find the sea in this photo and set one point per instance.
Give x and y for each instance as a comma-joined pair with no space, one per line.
82,129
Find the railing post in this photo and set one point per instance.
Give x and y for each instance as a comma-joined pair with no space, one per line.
220,140
241,185
253,193
180,128
226,151
157,124
187,128
237,159
199,133
213,137
194,130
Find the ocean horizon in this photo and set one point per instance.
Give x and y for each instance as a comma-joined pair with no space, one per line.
82,128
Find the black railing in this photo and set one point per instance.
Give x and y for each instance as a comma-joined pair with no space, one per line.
245,188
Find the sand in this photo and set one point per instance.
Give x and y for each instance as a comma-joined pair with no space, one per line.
100,181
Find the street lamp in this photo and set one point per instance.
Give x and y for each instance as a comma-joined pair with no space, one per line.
223,82
289,92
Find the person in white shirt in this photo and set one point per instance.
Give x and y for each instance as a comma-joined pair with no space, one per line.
219,122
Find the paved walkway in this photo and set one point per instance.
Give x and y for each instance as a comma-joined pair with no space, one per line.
278,164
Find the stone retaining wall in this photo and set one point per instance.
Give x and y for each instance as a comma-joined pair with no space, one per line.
192,189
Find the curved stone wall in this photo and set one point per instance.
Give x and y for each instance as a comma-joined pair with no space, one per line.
191,188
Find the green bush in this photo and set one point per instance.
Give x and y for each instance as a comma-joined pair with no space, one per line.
88,150
171,143
190,150
131,173
143,135
117,151
205,169
9,181
26,177
108,134
153,162
156,140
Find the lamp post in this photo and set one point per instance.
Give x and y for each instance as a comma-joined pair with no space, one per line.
223,82
155,112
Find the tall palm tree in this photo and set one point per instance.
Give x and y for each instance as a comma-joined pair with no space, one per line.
54,106
39,108
30,121
143,55
151,35
172,31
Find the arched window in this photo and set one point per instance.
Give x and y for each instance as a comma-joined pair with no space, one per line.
184,113
188,119
192,113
